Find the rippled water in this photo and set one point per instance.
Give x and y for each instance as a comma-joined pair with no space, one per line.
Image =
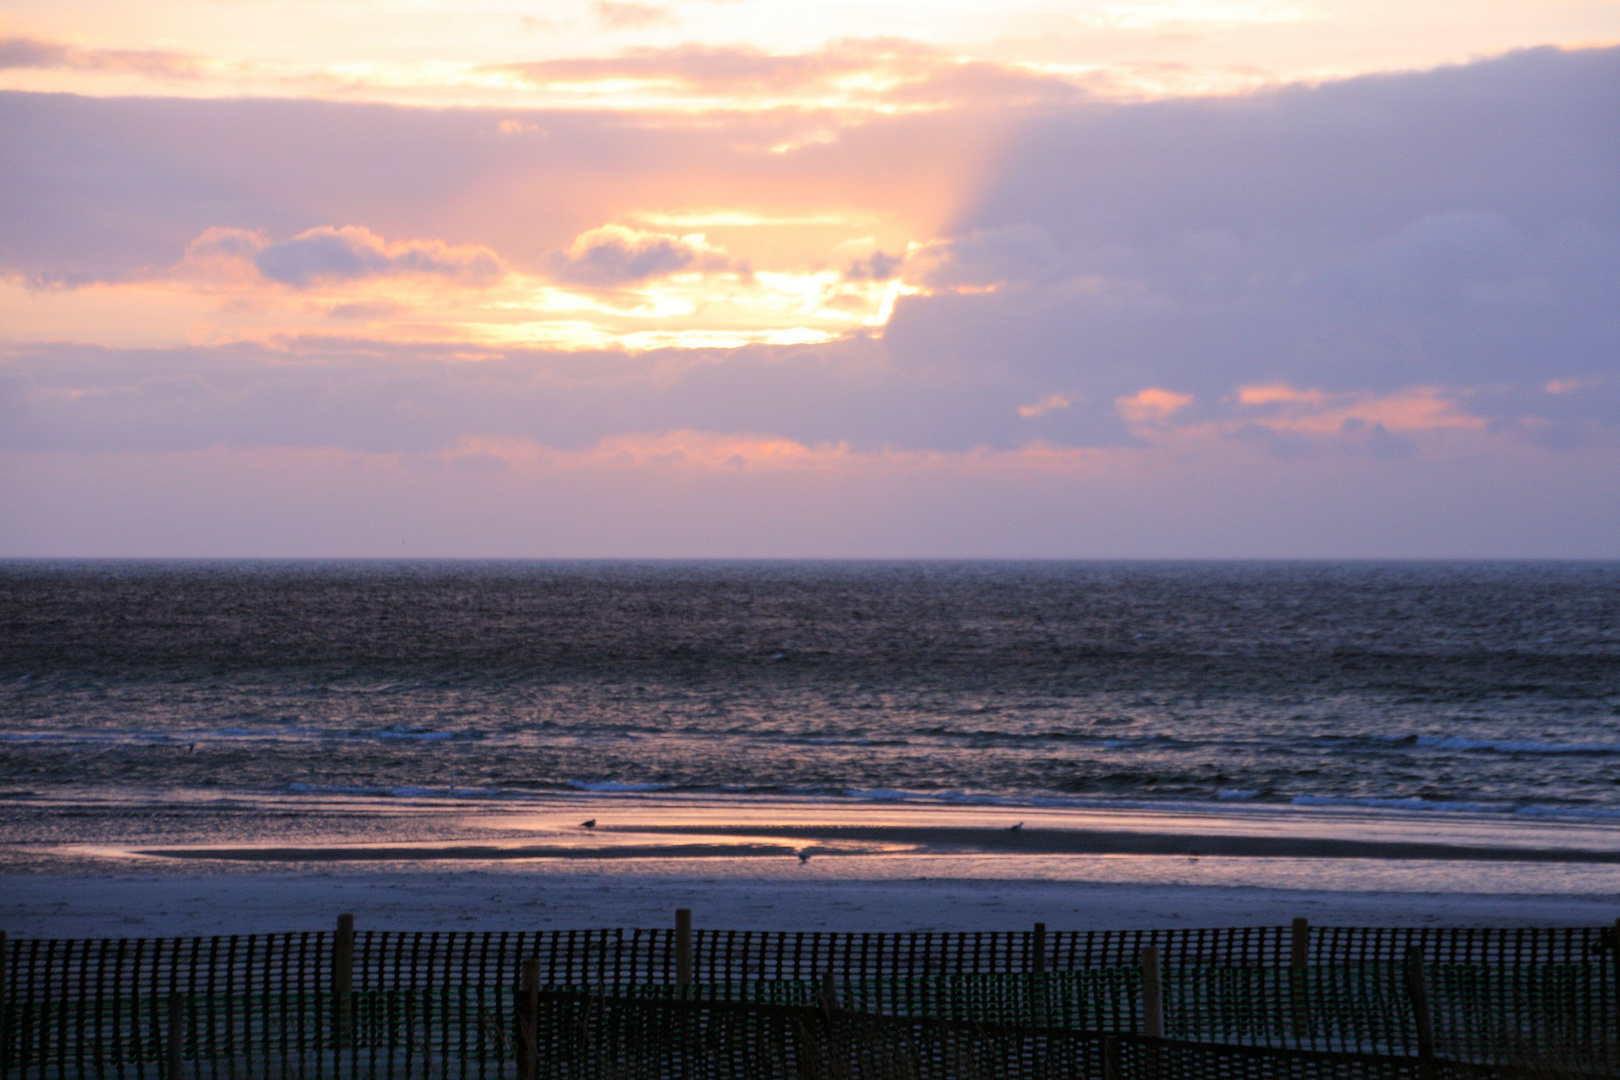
1484,687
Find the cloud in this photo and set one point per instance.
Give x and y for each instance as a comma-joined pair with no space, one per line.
738,68
878,266
884,72
1457,230
1151,404
1378,307
695,493
30,52
1013,255
965,82
1420,408
186,448
1444,249
363,311
612,15
1420,255
1047,404
614,255
27,52
223,243
328,255
1279,394
115,185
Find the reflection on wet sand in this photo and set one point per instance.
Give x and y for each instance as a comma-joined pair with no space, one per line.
665,827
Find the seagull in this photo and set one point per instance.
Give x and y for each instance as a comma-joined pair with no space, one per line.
591,824
1016,827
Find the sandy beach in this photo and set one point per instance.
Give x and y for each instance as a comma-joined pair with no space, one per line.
150,905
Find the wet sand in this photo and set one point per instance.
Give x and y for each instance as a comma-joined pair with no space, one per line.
699,841
643,827
782,865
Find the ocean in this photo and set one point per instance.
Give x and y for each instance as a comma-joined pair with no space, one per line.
253,702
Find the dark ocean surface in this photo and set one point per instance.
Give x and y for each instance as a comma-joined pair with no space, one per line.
1441,687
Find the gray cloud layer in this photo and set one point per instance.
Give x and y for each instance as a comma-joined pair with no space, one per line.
328,254
1457,229
619,256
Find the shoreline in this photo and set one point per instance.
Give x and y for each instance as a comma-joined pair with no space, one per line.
744,863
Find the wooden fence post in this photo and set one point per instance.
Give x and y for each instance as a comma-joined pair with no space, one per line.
829,990
1419,993
1298,990
529,1020
1112,1069
343,983
683,947
1037,960
1152,994
175,1037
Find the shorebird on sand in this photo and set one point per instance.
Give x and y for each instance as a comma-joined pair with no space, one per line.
591,824
1016,827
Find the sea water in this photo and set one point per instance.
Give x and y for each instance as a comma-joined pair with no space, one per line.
200,702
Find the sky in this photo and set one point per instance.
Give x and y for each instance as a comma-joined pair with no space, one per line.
760,278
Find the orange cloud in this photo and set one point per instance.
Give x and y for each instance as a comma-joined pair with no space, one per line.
1151,404
1420,408
1277,393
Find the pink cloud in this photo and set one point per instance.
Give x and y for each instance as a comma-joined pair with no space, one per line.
694,493
614,15
30,52
1045,405
856,69
1278,394
736,68
1152,404
1419,408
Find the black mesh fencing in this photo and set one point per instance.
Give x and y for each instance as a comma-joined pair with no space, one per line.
373,1003
580,1037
